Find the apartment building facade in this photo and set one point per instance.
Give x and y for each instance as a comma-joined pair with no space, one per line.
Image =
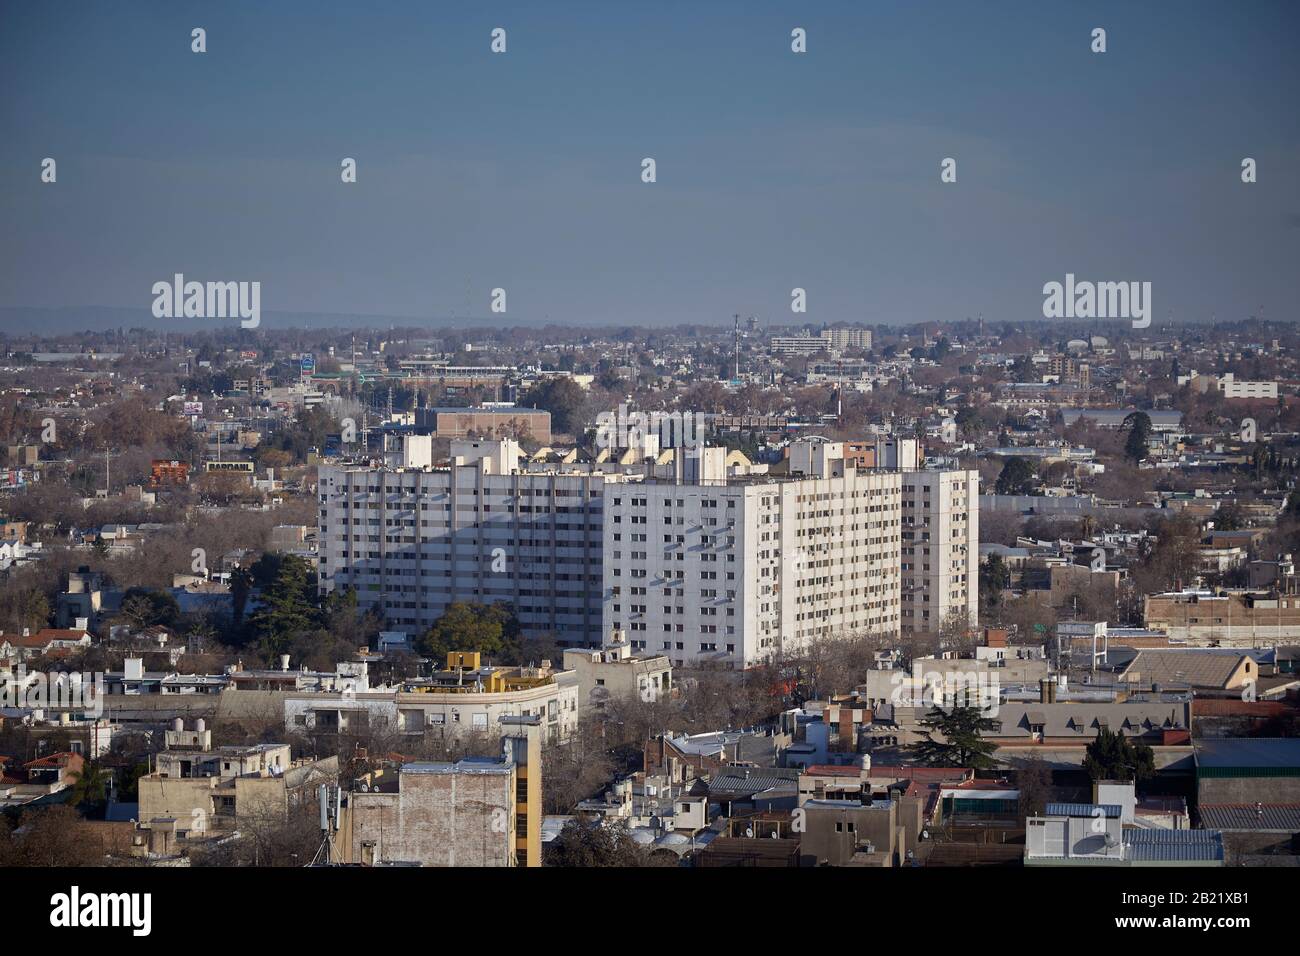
735,572
412,539
940,550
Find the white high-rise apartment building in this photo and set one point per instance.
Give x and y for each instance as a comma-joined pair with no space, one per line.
734,571
689,564
940,549
841,339
834,339
412,538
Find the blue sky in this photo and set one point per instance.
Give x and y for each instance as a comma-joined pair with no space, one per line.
775,170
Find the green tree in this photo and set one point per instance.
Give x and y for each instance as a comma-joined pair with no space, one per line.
490,629
1112,756
1229,517
241,584
1016,477
1138,425
995,577
90,785
968,420
563,398
288,605
959,743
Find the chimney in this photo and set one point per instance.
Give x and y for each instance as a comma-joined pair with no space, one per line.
1044,690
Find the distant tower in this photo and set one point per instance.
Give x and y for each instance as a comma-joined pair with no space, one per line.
737,318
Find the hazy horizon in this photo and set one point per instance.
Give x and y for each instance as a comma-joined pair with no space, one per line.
775,170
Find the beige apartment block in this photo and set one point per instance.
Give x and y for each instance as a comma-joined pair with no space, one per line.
940,550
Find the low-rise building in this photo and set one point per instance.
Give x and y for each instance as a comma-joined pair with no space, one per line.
479,811
197,790
1089,834
614,672
467,697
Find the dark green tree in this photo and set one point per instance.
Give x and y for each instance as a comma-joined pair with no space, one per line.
563,398
241,583
1016,478
288,605
1138,425
90,784
959,743
995,577
1112,756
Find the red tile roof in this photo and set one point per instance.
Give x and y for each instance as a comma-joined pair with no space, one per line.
62,634
53,760
833,770
43,637
922,774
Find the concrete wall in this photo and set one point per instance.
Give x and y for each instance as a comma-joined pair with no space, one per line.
439,819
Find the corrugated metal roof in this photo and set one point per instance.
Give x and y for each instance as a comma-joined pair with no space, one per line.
1173,845
1284,817
753,780
1110,810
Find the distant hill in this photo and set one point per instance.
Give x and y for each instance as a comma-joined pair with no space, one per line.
23,319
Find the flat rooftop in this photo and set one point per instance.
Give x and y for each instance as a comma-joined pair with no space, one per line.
1253,753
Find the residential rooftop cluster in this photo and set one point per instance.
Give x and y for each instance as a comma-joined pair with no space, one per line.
849,594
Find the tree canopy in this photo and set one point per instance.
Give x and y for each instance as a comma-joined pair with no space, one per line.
563,398
1112,756
490,629
959,743
1138,425
1016,478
